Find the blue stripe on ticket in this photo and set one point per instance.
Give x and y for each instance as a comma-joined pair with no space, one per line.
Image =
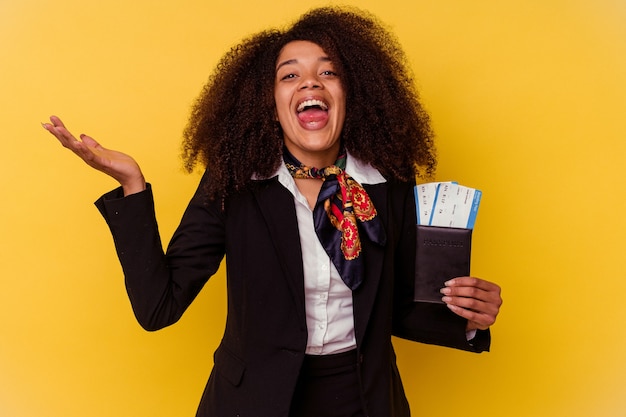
446,204
474,210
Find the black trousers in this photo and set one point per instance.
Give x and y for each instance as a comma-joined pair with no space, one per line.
328,386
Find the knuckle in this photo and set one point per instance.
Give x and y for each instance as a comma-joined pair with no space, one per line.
473,292
472,303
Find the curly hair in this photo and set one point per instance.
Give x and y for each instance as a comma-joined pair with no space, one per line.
232,129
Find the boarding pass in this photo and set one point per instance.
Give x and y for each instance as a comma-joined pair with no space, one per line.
446,204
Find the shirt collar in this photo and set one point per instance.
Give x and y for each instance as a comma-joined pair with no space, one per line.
363,173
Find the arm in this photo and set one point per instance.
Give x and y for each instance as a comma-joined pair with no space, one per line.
162,285
441,324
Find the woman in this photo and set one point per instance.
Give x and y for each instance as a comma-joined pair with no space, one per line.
312,138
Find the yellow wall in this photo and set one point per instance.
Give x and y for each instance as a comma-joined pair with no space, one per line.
528,100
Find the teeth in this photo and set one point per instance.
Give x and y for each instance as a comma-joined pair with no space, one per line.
311,103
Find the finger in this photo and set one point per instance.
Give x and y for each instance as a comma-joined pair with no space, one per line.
475,319
90,142
473,288
55,126
58,129
67,138
83,149
472,293
473,304
56,121
473,282
480,312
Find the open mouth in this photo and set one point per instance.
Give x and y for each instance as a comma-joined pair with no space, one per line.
312,104
312,112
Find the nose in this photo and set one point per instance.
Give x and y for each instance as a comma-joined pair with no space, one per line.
311,81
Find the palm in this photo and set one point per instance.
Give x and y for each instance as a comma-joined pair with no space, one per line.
116,164
111,162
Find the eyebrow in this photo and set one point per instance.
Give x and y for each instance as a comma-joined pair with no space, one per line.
295,61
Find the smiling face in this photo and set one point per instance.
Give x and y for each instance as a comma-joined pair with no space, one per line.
310,103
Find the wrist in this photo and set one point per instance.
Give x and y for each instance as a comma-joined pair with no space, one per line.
134,186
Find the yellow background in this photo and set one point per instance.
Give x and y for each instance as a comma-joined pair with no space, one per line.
528,99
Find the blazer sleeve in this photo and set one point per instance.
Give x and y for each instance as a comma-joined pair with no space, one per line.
161,285
417,321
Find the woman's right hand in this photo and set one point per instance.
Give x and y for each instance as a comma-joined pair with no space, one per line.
118,165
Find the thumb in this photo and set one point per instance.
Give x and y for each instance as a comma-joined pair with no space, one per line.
89,141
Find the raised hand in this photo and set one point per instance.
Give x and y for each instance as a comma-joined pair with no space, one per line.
116,164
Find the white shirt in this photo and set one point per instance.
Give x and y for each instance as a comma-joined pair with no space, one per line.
328,301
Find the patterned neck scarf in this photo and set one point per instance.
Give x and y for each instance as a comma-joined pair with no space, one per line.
342,202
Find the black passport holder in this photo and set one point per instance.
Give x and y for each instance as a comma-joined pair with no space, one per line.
442,253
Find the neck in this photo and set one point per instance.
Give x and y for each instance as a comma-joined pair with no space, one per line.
319,159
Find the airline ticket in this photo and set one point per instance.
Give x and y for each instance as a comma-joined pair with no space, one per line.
447,204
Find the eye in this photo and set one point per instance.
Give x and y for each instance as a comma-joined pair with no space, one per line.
329,73
288,76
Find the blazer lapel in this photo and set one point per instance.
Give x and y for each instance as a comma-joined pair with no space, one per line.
277,207
365,296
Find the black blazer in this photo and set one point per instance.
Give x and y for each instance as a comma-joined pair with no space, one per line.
257,363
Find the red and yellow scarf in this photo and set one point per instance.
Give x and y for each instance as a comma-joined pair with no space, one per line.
342,209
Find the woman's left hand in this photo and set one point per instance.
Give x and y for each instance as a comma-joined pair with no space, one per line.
475,299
